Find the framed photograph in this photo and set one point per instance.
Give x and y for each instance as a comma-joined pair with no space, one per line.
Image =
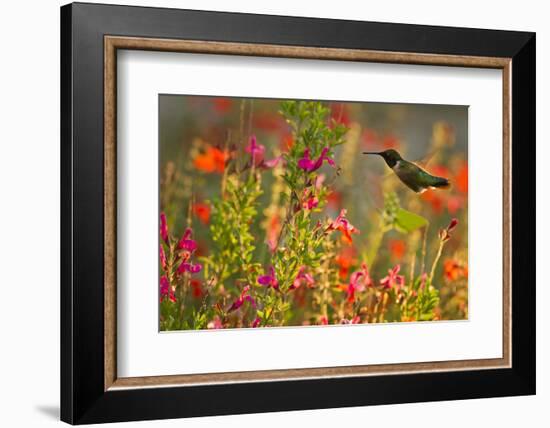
265,213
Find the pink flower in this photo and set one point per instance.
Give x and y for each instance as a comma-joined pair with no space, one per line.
186,243
256,322
359,280
272,163
189,267
256,150
354,320
302,278
423,279
163,228
162,258
244,297
392,279
215,323
257,153
310,201
310,165
323,320
269,280
166,290
342,224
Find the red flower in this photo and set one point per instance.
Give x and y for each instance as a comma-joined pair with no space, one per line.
244,297
269,280
197,289
202,211
165,290
445,234
163,228
256,322
309,165
392,279
222,104
342,224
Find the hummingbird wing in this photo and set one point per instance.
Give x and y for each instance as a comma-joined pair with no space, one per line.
417,179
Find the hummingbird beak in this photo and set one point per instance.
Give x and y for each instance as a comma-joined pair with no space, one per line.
371,153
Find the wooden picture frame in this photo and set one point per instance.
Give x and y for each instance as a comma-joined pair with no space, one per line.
91,390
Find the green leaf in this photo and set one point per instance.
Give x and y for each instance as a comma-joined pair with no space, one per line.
406,221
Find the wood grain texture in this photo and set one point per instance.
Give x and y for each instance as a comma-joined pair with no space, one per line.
112,43
109,195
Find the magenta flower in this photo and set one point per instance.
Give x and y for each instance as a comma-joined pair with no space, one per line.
166,290
186,243
256,151
392,279
162,258
244,297
269,280
310,165
163,228
359,281
189,267
256,322
302,278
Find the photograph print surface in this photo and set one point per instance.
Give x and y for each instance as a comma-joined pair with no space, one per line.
280,213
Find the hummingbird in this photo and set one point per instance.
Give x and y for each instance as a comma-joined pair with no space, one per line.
414,177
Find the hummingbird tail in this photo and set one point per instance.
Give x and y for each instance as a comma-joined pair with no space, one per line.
441,183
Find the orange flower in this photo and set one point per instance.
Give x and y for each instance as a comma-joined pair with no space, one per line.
287,142
462,179
390,141
342,224
369,137
345,260
339,113
202,211
397,248
454,270
212,160
273,230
